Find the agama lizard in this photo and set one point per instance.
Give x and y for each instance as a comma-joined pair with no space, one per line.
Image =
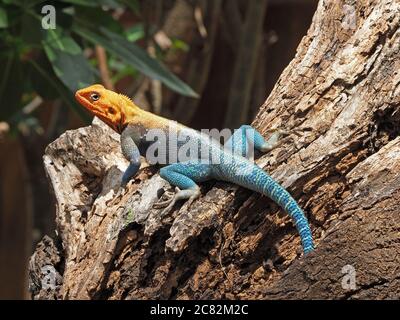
134,126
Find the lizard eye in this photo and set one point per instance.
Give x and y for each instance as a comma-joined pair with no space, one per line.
94,96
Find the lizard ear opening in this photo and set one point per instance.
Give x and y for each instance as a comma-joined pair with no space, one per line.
121,125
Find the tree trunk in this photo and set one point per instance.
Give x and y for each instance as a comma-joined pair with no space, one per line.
339,98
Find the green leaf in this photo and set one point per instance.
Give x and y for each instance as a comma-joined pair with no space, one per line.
11,88
29,3
59,40
135,33
67,60
31,29
133,5
180,45
90,3
150,66
3,18
135,56
39,83
98,17
65,18
124,72
73,70
65,94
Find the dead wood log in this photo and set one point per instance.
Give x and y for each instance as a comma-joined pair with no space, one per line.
340,99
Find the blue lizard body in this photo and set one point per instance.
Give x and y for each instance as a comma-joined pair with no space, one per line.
206,159
230,164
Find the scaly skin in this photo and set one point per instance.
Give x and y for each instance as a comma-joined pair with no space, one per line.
232,165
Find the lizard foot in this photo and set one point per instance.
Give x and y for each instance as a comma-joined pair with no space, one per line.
169,195
190,194
274,140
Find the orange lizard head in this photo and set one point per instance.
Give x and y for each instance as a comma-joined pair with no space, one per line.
112,108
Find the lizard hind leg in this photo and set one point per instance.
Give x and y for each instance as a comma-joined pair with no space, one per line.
247,137
184,176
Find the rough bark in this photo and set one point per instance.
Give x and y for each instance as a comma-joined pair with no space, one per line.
340,99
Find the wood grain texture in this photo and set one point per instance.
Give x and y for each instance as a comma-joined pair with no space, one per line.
340,99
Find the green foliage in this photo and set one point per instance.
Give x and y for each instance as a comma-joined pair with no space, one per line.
3,18
54,63
129,218
90,3
178,44
135,33
132,54
66,56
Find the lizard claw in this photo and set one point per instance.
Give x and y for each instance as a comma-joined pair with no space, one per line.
282,132
189,194
121,191
275,139
170,198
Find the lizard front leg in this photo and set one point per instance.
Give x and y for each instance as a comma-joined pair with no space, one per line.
131,153
184,176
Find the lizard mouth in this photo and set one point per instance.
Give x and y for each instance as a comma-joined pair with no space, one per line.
81,99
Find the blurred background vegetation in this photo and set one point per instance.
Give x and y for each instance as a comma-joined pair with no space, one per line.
205,63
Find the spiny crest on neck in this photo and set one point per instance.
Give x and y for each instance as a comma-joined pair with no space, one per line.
126,99
128,106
